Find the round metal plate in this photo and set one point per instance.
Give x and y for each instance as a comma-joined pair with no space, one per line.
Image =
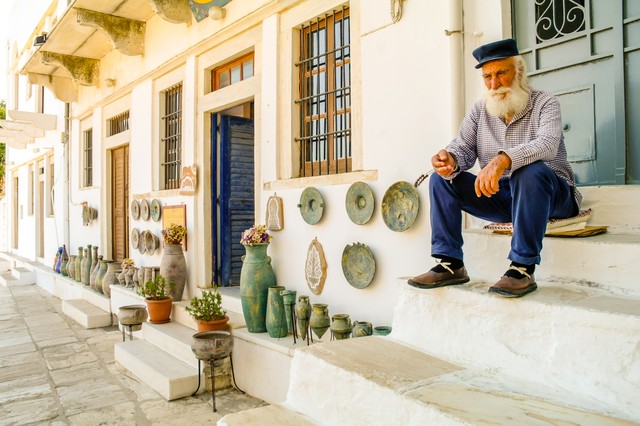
150,243
135,238
156,210
141,247
135,209
358,265
400,206
311,205
144,210
359,203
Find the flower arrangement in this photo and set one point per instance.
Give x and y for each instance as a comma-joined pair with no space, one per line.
174,234
257,234
208,307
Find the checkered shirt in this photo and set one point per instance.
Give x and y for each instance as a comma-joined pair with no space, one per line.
534,134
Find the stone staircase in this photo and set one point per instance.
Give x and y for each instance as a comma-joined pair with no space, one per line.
568,353
16,276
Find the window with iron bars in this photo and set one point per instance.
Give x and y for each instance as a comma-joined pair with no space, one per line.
118,124
87,158
171,141
325,95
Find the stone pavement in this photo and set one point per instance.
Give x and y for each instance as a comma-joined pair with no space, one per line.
55,372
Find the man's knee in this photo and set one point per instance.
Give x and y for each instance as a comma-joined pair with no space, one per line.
534,172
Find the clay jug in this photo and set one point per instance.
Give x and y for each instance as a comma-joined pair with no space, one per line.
276,322
303,312
256,276
173,266
319,320
361,329
289,299
341,326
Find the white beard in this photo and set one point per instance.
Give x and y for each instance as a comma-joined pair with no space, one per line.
506,100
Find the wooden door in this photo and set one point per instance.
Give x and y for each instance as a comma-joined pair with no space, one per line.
119,203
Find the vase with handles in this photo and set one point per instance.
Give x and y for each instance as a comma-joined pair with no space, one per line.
341,326
303,313
319,320
276,321
256,276
173,266
361,329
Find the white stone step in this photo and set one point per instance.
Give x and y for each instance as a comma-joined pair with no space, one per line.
277,414
86,314
6,264
607,261
376,380
173,338
24,274
97,299
169,376
575,338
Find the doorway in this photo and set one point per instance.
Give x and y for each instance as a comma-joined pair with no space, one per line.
120,203
232,189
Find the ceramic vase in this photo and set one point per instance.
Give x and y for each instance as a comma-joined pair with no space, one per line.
102,271
276,322
59,260
319,321
55,259
341,326
94,275
361,329
289,299
173,266
71,267
109,278
303,312
256,276
95,260
64,256
79,258
86,271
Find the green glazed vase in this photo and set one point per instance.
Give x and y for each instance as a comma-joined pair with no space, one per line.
276,321
256,276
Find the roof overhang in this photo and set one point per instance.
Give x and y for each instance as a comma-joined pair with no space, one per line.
25,128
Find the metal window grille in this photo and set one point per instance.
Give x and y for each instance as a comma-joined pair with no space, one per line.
87,158
171,142
325,95
558,18
118,124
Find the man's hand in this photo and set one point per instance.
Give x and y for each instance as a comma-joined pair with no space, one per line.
487,180
443,163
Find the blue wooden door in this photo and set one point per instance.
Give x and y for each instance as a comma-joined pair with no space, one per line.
585,52
233,169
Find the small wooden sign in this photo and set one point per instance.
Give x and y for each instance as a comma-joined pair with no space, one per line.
177,215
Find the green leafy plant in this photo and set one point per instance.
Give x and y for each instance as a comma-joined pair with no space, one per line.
156,289
208,307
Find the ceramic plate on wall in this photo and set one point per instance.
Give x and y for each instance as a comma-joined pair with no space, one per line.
156,210
358,265
359,203
135,238
311,205
400,206
141,247
144,210
135,209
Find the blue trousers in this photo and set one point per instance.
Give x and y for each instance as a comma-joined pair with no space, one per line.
529,198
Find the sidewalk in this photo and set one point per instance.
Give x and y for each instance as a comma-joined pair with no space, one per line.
54,372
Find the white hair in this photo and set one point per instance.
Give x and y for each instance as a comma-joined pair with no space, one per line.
513,99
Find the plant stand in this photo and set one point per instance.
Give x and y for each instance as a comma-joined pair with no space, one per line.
130,327
212,363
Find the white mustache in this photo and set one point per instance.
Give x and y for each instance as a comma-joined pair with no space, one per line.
500,91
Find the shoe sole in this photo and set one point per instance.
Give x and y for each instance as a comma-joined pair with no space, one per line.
513,293
438,285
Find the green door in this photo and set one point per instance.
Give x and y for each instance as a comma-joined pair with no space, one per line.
586,53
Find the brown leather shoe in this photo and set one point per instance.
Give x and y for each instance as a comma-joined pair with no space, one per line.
432,279
514,287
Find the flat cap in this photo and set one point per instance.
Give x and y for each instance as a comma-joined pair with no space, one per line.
496,50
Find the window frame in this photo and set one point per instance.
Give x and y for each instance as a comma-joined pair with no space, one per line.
310,66
228,66
87,158
171,131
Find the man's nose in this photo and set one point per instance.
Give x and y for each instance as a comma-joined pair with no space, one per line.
495,83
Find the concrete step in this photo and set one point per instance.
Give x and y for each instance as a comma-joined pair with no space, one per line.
277,414
86,314
97,299
376,380
576,338
605,261
167,375
24,274
8,280
173,338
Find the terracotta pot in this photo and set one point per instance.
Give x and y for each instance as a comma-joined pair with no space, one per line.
213,325
160,310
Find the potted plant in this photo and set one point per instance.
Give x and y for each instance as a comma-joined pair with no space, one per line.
173,265
207,311
159,302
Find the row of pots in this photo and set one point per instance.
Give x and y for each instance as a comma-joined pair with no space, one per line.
88,268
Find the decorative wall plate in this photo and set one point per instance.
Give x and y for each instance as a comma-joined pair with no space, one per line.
315,267
275,219
151,242
311,205
156,210
358,265
135,209
400,206
144,210
359,203
141,247
135,238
